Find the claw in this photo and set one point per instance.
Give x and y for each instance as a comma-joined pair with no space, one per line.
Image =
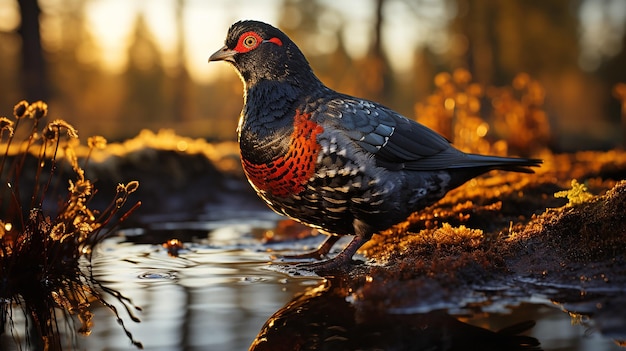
341,260
327,266
305,255
318,253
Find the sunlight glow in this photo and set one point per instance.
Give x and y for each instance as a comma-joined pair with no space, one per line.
9,15
602,27
203,26
206,25
111,25
110,22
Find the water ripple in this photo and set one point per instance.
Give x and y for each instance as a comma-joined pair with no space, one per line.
159,275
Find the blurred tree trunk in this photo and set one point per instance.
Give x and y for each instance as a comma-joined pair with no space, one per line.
478,27
506,37
181,76
382,83
33,67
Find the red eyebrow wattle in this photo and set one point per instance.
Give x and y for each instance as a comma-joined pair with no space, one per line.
276,41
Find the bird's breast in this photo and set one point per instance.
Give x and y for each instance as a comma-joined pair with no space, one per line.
286,174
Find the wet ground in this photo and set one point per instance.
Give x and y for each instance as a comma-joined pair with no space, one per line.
499,264
220,291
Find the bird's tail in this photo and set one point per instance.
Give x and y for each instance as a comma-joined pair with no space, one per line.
486,163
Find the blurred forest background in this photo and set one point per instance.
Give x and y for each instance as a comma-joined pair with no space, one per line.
114,67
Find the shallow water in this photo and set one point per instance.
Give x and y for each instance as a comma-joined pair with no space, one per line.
218,293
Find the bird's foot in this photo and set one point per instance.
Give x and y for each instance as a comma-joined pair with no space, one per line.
317,254
338,263
324,267
329,266
343,259
320,267
304,256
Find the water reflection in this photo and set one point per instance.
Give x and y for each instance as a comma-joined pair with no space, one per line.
218,295
321,318
214,296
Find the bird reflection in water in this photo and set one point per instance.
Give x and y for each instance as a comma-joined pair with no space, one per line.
322,319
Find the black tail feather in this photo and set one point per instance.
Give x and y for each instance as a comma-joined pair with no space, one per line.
512,164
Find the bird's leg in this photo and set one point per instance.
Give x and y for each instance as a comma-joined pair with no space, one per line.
318,253
363,232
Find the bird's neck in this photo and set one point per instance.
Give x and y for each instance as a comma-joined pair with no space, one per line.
266,120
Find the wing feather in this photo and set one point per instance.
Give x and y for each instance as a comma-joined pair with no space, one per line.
397,143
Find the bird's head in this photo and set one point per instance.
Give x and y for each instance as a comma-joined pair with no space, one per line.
260,52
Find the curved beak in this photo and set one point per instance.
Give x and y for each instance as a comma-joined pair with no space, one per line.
223,54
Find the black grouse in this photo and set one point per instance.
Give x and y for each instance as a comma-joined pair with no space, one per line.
344,165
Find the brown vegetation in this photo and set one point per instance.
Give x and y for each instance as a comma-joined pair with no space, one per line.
41,250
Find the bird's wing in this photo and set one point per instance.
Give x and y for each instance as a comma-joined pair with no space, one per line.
395,141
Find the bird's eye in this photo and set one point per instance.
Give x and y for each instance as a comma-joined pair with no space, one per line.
249,41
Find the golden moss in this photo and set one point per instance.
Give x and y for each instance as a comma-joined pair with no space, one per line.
576,195
224,155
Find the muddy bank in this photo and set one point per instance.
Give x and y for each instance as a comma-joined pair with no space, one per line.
514,224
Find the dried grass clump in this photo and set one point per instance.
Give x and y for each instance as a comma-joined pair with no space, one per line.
45,231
